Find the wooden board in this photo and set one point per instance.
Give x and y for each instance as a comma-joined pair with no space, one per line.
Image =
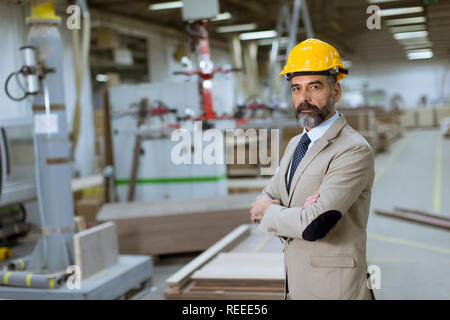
228,275
175,226
408,118
242,267
426,117
226,243
96,249
246,185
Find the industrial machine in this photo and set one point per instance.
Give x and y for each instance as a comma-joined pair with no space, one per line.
43,273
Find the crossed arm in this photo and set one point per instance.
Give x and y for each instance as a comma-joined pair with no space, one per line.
346,178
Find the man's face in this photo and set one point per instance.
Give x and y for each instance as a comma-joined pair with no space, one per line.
313,99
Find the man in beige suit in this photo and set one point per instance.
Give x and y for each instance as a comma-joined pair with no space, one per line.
318,200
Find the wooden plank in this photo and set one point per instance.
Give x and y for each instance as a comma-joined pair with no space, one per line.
414,217
176,226
247,184
226,243
96,249
243,267
423,213
127,210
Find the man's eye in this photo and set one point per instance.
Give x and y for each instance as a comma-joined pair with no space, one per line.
295,89
314,87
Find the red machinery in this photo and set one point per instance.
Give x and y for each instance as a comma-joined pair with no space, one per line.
199,39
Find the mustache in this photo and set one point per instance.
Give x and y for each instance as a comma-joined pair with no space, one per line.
306,106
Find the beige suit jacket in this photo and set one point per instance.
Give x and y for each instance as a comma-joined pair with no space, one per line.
324,244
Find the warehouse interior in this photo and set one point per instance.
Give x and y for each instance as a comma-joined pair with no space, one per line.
100,97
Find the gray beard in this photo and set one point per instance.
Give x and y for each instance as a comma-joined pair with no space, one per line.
306,120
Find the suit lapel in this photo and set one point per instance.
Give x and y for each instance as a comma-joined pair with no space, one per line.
285,167
313,152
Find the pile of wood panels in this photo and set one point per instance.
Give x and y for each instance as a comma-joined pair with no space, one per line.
241,185
176,226
424,117
363,121
245,264
379,127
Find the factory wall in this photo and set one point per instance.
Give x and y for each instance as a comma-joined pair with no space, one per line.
409,79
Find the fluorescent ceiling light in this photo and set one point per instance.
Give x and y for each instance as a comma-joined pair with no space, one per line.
237,28
418,27
397,22
166,5
419,54
381,1
258,35
410,35
222,16
399,11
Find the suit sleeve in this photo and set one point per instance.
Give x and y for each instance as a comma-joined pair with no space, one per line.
348,175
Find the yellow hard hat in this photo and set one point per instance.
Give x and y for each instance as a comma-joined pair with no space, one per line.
314,56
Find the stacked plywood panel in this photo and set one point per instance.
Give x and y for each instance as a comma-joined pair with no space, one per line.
246,264
426,117
175,226
363,121
408,118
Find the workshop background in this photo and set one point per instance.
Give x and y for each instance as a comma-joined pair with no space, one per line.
92,206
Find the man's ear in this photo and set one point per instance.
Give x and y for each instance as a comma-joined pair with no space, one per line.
337,92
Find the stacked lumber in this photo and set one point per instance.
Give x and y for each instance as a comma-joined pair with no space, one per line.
242,185
389,128
379,127
426,117
363,121
408,118
246,264
418,216
176,226
241,272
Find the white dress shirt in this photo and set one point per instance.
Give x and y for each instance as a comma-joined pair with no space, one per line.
315,134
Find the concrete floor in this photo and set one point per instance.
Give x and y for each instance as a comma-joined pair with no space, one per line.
414,259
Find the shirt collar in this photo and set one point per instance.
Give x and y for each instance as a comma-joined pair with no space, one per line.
318,131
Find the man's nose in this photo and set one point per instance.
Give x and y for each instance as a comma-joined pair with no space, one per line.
303,96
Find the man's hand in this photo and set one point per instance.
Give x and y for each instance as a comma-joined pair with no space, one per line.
311,199
259,207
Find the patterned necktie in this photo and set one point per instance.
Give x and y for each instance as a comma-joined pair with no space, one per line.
299,153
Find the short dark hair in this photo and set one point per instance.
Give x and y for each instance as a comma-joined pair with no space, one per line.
332,79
